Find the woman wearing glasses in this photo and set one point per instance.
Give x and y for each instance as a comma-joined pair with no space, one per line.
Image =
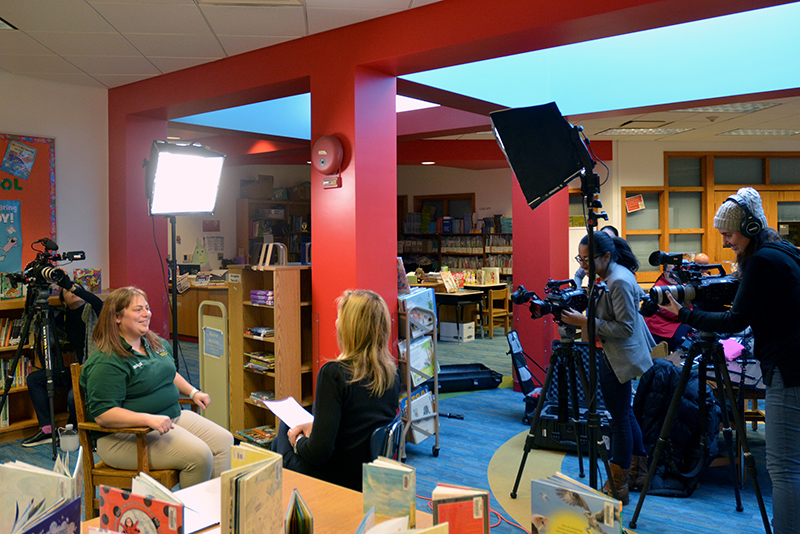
626,345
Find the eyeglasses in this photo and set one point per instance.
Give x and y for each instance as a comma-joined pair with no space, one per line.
581,260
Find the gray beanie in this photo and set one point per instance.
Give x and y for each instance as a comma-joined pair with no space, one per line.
730,215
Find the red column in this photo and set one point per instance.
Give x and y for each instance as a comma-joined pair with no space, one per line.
354,231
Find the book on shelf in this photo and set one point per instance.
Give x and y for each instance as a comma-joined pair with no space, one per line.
262,395
63,517
260,331
120,509
23,483
420,360
421,417
390,487
465,509
419,297
7,289
403,287
258,367
561,505
193,518
289,411
252,497
260,435
298,518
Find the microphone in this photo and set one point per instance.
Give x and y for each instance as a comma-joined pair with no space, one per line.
48,243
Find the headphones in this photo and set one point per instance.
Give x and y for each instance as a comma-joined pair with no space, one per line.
751,225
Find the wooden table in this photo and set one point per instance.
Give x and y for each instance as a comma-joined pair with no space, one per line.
462,297
485,288
336,510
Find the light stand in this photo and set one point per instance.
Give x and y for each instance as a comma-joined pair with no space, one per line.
181,179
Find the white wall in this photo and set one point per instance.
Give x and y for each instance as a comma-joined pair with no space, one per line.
77,117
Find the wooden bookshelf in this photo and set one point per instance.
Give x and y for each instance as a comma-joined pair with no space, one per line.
291,341
294,214
458,251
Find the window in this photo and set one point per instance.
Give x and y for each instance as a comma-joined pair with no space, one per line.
455,206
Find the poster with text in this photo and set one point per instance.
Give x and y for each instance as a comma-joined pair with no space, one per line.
10,237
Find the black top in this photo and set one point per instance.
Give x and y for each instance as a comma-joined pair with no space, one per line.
768,299
345,416
71,321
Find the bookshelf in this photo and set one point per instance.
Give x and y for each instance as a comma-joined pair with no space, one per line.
22,420
290,342
457,251
284,217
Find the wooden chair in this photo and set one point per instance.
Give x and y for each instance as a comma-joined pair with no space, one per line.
497,311
98,473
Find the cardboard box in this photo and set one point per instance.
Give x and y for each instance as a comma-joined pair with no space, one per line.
260,188
461,332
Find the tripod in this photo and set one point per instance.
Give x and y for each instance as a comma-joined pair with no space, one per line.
38,314
710,352
564,359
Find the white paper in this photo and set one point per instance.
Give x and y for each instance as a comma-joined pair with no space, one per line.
289,411
204,496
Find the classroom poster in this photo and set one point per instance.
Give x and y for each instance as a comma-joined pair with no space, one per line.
10,236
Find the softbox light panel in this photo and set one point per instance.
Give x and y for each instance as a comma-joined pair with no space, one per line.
541,147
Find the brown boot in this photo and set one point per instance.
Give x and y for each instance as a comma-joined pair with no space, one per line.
638,473
620,477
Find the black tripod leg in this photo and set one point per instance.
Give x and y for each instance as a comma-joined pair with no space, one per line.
666,428
750,462
576,413
534,423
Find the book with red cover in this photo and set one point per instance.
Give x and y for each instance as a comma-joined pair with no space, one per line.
123,511
465,509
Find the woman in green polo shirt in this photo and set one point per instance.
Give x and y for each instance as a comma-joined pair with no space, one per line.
130,380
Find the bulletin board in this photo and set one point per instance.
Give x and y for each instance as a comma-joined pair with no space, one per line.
27,197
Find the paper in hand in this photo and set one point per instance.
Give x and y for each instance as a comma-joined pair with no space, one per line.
289,411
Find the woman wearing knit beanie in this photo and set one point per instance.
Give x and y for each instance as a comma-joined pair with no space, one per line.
768,300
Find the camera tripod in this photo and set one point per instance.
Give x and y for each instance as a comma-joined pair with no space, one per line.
38,314
564,359
710,352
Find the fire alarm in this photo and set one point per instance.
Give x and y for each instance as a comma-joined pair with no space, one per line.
327,155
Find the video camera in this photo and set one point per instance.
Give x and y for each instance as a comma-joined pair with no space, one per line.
705,291
557,299
42,271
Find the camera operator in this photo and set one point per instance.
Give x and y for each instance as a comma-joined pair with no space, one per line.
626,345
665,325
73,321
767,300
580,274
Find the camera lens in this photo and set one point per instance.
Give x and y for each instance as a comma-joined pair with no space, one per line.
680,293
52,274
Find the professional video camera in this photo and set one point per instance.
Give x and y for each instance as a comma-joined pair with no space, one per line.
42,271
705,291
557,299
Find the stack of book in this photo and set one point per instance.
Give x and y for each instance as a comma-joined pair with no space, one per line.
262,395
10,330
260,435
262,297
260,331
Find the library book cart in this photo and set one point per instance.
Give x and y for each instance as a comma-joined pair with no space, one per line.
270,344
418,364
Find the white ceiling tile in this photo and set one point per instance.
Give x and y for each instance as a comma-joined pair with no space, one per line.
85,43
140,17
25,65
175,45
238,44
138,66
53,15
272,21
322,19
171,64
115,80
19,43
395,5
71,78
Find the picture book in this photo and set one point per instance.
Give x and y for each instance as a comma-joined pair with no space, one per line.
466,510
422,416
419,297
421,360
390,486
123,511
260,435
246,454
193,518
561,505
7,289
64,517
88,278
252,498
23,484
403,286
298,517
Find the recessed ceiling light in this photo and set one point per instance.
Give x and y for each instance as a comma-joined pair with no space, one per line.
754,131
428,163
173,138
643,131
405,103
5,25
743,107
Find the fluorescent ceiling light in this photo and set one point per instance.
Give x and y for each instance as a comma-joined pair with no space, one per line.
755,131
643,131
428,163
743,107
4,25
406,103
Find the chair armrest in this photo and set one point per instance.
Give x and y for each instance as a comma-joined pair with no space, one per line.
94,427
186,401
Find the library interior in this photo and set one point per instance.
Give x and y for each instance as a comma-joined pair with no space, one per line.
458,235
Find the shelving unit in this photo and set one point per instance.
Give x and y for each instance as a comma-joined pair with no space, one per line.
21,415
458,251
290,341
410,422
287,229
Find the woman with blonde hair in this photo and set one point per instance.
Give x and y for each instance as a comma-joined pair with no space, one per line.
130,379
356,393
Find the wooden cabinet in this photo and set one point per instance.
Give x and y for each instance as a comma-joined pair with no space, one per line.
190,300
289,221
290,341
457,251
22,420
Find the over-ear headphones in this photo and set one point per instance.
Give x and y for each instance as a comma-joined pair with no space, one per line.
751,225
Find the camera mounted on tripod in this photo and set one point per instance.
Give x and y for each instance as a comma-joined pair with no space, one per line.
560,295
42,271
710,292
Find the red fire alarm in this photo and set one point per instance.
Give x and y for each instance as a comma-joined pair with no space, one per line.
326,157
